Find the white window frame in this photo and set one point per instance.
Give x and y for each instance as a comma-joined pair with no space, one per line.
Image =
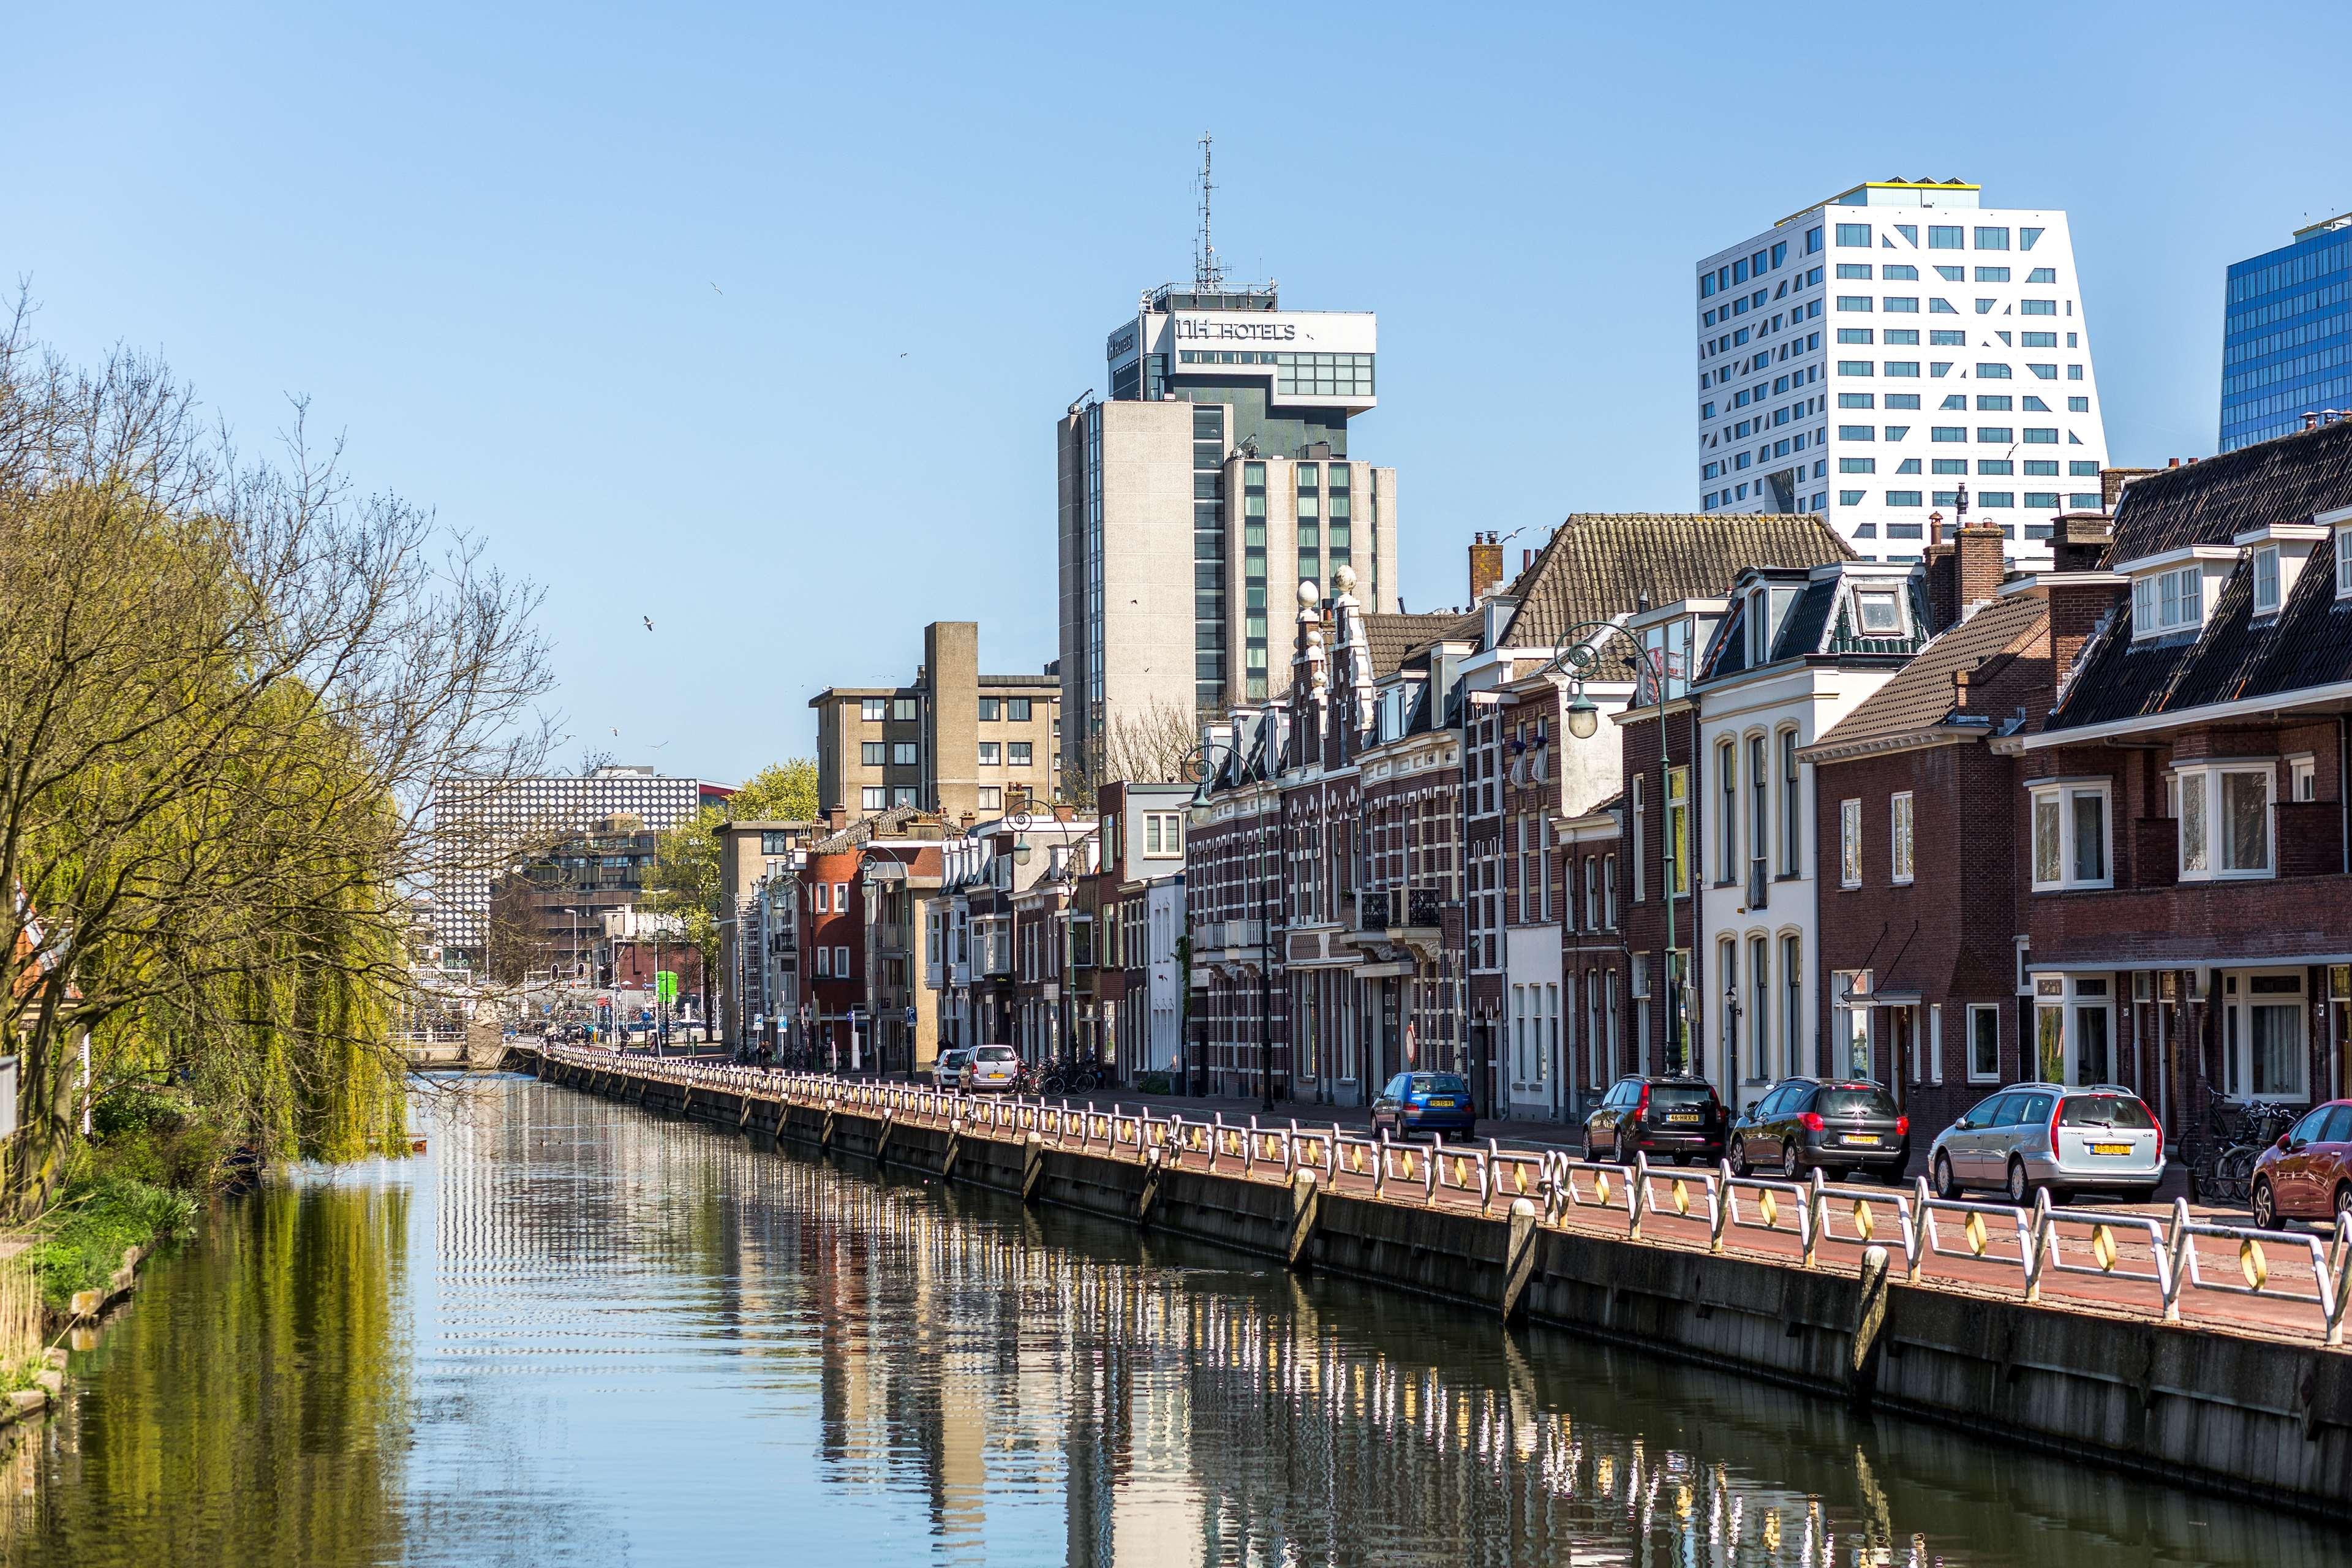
2344,562
1901,820
2208,782
2266,580
2238,1002
1792,829
2063,994
1977,1074
2061,793
1850,843
1640,872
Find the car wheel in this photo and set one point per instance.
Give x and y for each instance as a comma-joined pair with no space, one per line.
1738,1158
1891,1175
1792,1164
2343,1204
2265,1205
1945,1184
2021,1189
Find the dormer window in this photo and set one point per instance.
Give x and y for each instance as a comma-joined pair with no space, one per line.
1880,612
2165,602
2266,580
2344,562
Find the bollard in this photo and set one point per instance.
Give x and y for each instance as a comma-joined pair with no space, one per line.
1032,1167
1305,1215
1518,1258
1869,1323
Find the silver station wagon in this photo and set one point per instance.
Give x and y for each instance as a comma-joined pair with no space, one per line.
2045,1136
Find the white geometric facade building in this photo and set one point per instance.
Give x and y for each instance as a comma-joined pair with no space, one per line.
1868,357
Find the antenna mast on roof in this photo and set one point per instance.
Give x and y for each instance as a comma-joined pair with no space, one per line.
1208,274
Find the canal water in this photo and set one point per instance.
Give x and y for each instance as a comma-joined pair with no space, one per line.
574,1334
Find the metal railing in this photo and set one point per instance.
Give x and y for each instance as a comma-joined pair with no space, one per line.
2154,1263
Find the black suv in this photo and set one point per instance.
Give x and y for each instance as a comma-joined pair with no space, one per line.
1676,1117
1839,1125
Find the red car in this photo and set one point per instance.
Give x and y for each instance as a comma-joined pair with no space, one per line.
2307,1175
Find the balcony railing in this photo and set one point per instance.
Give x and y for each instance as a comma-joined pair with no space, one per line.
1421,907
1393,908
1372,910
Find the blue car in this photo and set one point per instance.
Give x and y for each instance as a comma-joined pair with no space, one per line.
1426,1103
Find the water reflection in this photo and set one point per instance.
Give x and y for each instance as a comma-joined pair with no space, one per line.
575,1334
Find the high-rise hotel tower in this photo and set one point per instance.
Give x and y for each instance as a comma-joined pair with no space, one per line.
1195,499
1870,356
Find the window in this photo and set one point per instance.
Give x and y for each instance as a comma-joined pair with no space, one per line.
2303,780
2070,836
1727,835
1608,891
2167,601
873,798
1854,302
2042,435
1902,399
2225,820
1857,465
1992,274
1902,367
1855,336
1016,710
991,753
1853,269
902,754
1017,753
1640,869
2037,307
902,795
1676,848
2025,239
1849,497
1900,836
2078,405
1857,400
1908,337
1880,614
841,898
825,964
1857,431
1947,432
991,797
1992,239
871,753
841,964
1163,834
1850,843
873,709
2344,562
1850,235
822,894
1898,273
902,709
1902,497
1900,304
2266,580
1984,1044
1944,237
992,709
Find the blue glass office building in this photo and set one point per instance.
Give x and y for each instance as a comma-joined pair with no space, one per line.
2286,335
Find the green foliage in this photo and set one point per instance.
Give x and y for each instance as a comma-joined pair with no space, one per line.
684,878
94,1221
1156,1083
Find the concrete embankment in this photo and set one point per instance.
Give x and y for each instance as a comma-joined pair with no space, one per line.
2255,1417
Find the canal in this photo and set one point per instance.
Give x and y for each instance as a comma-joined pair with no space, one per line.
574,1334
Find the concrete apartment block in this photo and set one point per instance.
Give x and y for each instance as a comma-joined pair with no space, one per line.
952,740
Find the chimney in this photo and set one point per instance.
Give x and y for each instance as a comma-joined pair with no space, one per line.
2113,480
2079,541
2075,611
1526,559
1978,566
1486,564
1943,576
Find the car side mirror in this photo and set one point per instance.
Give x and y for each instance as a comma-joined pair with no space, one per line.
2285,1142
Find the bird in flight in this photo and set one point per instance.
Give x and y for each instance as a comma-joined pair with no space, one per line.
648,620
715,289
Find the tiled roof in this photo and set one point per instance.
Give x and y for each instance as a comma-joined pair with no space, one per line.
1919,695
2211,502
2308,643
882,825
1390,636
1598,564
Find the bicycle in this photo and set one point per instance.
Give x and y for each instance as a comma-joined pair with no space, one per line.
2240,1134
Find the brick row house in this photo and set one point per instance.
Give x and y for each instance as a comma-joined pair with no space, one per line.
2096,831
1129,985
1413,860
998,931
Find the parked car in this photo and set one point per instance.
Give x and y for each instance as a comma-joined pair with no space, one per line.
2046,1135
1425,1102
947,1068
995,1070
1835,1125
2307,1174
1681,1117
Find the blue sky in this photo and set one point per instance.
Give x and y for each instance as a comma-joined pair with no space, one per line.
756,321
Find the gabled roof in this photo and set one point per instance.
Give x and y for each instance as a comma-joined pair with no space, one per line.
1821,623
1919,696
2212,502
1598,564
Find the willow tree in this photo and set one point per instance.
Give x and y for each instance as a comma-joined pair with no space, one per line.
227,690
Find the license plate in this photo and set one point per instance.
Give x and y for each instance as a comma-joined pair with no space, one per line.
2111,1148
1441,1105
1867,1138
1682,1116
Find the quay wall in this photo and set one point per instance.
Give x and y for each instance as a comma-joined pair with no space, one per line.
2252,1417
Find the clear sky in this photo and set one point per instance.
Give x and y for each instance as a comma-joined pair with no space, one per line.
756,319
